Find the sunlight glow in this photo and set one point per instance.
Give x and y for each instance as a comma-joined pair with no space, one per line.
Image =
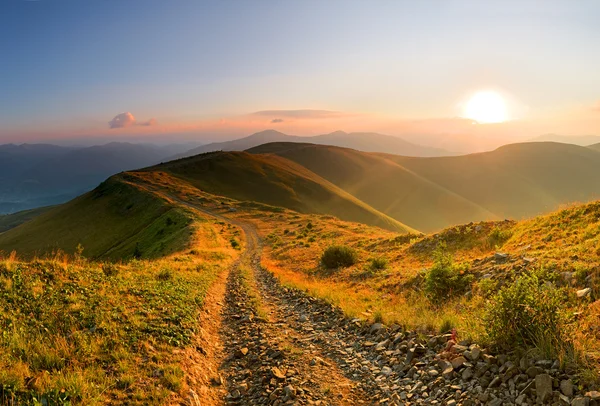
486,107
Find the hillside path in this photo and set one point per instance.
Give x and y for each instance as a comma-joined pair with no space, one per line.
280,346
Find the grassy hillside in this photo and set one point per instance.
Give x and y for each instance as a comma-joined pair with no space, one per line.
275,181
105,333
465,277
8,221
518,180
109,222
383,184
514,181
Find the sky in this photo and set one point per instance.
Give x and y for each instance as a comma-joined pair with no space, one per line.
73,70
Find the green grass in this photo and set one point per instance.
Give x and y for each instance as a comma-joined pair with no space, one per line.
9,221
88,332
108,222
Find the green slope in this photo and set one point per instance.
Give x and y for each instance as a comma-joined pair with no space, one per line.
514,181
276,181
518,180
8,221
108,222
383,184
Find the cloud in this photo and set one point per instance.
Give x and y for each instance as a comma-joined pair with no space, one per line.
302,114
122,120
149,123
596,106
277,120
127,120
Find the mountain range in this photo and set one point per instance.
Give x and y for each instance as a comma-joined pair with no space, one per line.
363,141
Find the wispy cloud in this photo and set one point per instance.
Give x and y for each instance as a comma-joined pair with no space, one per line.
277,120
127,119
302,114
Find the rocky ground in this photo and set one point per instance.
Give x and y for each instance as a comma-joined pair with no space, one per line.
295,349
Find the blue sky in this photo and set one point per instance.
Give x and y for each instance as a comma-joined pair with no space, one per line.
71,66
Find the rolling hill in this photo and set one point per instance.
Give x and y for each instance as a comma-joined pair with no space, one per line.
368,142
514,181
383,184
116,220
275,181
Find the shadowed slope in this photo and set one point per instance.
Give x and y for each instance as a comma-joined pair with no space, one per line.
276,181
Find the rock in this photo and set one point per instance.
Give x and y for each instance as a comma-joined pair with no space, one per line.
217,380
566,387
276,372
290,391
593,395
543,387
584,292
458,362
534,371
500,257
386,371
580,401
376,328
242,352
467,374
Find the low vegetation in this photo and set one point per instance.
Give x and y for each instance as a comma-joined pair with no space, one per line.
445,278
531,311
339,256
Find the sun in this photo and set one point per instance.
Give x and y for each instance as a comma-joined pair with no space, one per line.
486,107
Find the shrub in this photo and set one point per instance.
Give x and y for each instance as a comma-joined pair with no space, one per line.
165,274
530,311
378,264
339,256
498,237
445,278
110,269
234,243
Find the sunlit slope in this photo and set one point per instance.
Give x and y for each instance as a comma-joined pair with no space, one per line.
275,181
383,184
518,180
109,222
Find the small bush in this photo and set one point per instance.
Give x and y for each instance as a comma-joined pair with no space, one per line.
234,243
445,278
497,237
530,311
110,269
378,264
339,256
165,274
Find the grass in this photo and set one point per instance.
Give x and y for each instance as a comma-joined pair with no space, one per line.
9,221
83,332
108,222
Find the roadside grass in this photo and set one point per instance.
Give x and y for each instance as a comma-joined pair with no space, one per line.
85,332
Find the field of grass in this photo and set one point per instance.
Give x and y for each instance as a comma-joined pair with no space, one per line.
8,221
116,220
85,332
